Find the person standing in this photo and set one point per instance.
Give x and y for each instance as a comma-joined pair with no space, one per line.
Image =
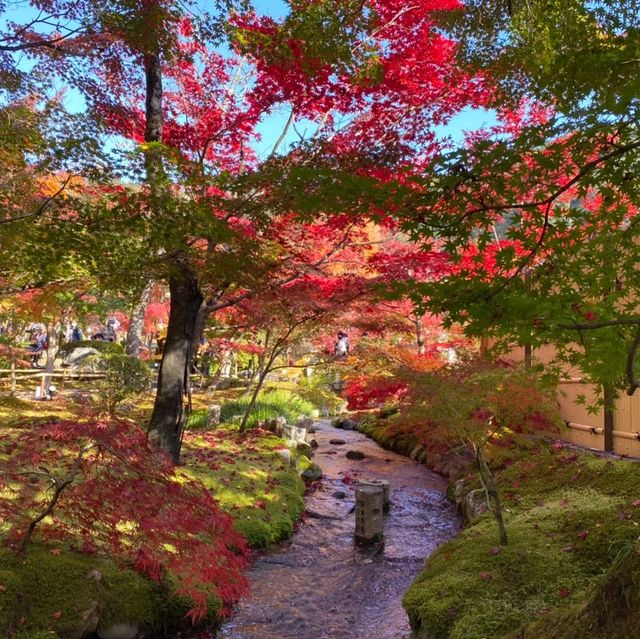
341,347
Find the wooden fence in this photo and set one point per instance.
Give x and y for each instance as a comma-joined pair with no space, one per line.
613,428
15,375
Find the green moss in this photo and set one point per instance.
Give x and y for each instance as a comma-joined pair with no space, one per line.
129,598
250,480
612,611
49,590
568,516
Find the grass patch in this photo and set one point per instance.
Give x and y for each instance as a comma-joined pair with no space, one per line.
269,405
569,516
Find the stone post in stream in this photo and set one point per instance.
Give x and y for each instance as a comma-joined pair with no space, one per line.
369,514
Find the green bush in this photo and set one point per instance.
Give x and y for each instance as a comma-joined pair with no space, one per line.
268,406
316,389
125,378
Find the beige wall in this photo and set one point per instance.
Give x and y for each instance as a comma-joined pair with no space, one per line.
585,428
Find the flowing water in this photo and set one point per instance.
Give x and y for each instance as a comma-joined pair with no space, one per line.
319,585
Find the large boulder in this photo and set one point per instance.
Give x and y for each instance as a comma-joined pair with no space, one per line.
81,358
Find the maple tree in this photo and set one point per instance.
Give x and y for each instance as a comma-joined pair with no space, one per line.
331,62
538,213
475,407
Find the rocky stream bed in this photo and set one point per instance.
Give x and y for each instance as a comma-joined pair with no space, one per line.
319,585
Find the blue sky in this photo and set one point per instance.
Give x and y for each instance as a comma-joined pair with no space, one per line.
271,128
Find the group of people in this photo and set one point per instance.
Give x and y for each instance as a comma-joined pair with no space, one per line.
110,331
39,339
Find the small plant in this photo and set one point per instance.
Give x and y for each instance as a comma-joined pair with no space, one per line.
124,378
268,406
480,407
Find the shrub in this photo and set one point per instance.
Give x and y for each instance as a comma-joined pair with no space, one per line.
117,495
268,405
316,389
125,378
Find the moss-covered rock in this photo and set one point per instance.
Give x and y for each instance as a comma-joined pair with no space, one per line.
54,591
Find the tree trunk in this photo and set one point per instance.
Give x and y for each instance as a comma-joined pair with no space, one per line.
420,335
263,375
136,322
198,333
491,488
153,108
173,400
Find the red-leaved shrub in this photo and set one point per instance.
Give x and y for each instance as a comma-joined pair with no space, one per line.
101,488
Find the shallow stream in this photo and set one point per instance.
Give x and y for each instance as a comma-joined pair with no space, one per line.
319,585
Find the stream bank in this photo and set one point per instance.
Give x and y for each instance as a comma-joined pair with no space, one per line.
319,585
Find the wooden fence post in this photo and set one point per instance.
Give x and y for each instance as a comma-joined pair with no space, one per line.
13,375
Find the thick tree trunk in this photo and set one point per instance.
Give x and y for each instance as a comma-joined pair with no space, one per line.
173,400
136,322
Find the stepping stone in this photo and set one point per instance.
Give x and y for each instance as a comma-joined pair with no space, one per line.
337,442
355,454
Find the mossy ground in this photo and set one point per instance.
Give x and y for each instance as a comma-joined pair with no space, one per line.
47,590
250,480
388,435
569,516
